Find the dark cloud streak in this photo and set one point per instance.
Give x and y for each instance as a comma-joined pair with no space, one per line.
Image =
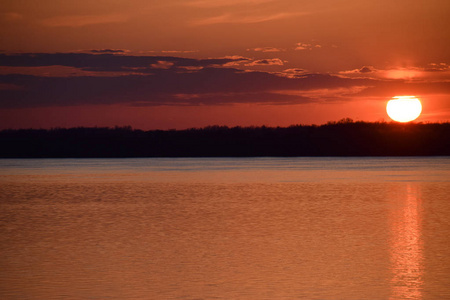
207,86
168,83
104,61
107,51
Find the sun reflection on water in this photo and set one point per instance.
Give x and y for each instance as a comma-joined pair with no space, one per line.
406,247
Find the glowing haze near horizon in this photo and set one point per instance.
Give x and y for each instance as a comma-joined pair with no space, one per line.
192,63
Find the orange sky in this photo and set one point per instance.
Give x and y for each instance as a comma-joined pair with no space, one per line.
191,63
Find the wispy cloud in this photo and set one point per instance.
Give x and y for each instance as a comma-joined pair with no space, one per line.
221,3
161,64
100,63
112,51
266,49
67,79
266,62
437,67
326,93
293,73
240,18
305,46
430,72
178,51
65,71
84,20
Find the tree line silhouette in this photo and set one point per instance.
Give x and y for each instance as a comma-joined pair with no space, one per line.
342,138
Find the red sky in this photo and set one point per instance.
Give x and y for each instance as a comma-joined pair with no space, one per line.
158,64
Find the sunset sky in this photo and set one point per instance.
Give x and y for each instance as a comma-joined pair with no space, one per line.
155,64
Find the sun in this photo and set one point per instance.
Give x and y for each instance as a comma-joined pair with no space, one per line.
404,108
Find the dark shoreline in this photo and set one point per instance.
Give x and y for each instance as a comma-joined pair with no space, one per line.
343,138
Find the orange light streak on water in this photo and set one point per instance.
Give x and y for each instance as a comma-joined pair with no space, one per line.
406,246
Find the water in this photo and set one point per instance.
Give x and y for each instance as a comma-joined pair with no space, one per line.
249,228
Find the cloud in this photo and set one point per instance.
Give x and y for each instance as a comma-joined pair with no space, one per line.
178,51
83,20
168,86
266,62
107,51
363,72
107,62
266,49
237,57
243,18
390,88
366,70
270,98
336,93
428,73
58,71
437,67
211,86
161,64
42,80
298,46
207,86
293,73
305,46
221,3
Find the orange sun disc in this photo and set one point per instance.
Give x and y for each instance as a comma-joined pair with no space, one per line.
404,108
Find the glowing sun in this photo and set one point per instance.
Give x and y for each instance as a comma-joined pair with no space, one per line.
404,108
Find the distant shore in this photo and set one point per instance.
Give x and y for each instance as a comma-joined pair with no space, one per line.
342,138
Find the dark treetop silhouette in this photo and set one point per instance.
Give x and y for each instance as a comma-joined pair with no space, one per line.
343,138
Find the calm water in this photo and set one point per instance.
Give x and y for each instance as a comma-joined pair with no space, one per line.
253,228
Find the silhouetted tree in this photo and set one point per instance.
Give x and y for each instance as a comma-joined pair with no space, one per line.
343,138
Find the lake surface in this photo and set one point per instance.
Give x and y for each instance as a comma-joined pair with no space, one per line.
225,228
